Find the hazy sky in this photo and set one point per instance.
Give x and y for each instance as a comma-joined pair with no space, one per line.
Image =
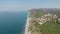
28,4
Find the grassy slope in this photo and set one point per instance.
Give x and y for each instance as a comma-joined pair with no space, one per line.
39,14
36,25
50,28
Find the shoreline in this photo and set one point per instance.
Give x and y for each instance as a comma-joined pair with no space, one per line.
27,25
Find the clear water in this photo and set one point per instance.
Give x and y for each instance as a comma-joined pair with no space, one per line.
12,22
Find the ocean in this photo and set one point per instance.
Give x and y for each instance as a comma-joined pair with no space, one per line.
12,22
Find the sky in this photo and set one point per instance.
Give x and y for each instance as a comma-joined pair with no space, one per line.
17,5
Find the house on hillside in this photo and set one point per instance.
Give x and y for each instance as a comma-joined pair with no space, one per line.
58,20
55,16
45,18
48,15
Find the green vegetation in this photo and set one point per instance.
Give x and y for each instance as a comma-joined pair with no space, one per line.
51,27
34,27
38,14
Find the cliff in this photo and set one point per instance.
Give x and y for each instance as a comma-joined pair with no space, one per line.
42,21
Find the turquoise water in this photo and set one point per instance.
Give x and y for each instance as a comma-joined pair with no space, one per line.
12,22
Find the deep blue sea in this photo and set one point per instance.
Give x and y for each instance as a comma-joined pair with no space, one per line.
12,22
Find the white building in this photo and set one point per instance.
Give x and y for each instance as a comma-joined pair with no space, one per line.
48,15
59,19
55,16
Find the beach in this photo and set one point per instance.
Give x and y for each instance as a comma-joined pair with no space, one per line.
27,25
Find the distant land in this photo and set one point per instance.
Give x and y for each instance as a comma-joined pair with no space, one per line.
43,21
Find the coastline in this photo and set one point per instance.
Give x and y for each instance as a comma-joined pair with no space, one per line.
27,24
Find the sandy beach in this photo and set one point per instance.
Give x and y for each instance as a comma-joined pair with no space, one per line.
26,27
27,24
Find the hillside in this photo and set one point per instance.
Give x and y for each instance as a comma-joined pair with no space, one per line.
44,21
